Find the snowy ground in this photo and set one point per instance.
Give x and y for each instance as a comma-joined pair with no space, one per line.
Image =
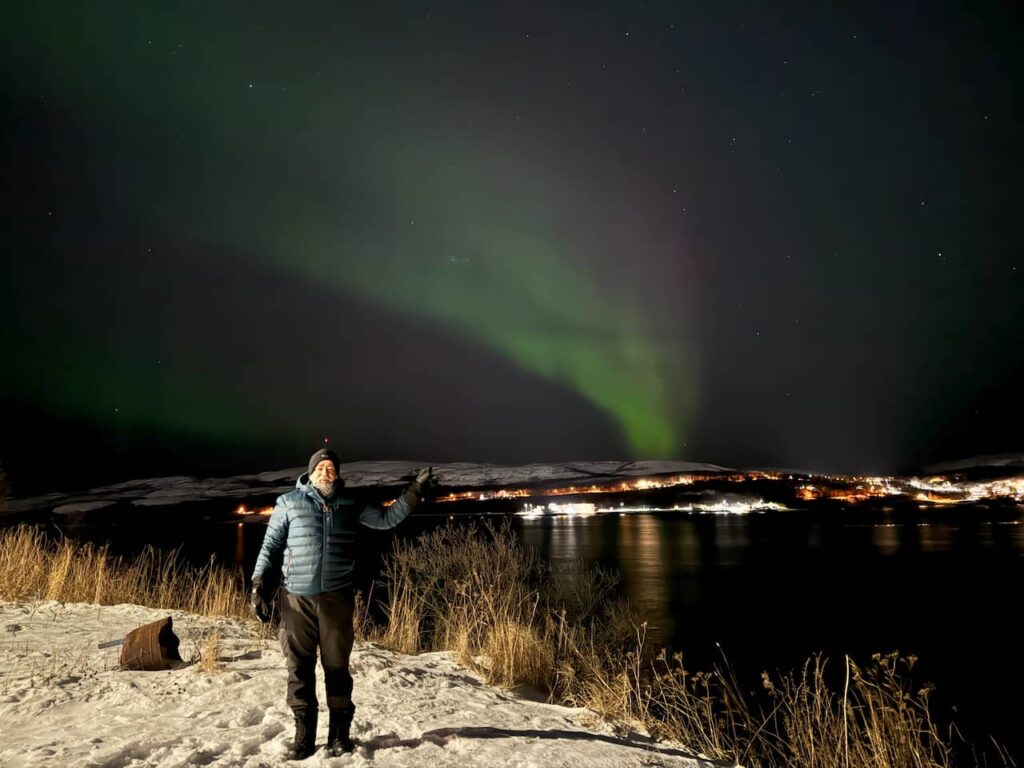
64,702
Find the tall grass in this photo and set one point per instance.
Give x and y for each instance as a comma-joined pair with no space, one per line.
32,568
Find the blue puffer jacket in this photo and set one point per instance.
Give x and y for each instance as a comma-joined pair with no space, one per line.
312,540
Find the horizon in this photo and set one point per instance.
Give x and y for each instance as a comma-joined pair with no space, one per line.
1010,463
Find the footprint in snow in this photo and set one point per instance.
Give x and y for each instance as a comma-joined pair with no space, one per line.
251,717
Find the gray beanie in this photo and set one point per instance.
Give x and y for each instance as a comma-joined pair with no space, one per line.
324,454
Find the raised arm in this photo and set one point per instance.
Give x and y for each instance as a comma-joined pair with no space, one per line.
373,516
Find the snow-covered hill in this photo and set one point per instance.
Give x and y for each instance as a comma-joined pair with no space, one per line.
165,491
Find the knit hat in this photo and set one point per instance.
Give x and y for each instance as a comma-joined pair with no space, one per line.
324,454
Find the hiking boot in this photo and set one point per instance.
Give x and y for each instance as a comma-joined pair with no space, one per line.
338,741
304,744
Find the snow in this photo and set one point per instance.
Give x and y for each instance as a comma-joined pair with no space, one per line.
64,702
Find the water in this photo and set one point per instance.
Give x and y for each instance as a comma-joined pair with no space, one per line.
768,590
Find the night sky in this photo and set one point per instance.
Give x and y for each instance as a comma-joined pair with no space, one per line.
779,237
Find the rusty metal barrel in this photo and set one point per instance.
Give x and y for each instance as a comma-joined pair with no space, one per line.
151,647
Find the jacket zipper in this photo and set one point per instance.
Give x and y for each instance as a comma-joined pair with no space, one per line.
323,555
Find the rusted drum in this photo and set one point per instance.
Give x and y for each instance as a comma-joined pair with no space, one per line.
151,647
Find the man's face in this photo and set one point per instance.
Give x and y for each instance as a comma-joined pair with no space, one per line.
324,473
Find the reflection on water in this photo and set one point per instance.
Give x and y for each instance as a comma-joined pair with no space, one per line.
686,559
642,546
732,539
936,537
886,538
1001,536
662,558
1009,534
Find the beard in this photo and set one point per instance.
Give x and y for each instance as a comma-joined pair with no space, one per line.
325,487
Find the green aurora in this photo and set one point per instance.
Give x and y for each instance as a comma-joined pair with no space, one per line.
434,217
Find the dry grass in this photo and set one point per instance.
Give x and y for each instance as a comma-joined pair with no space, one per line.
209,654
876,721
457,590
32,568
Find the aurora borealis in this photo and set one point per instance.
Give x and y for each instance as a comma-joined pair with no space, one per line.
509,232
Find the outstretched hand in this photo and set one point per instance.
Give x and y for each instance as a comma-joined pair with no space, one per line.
425,482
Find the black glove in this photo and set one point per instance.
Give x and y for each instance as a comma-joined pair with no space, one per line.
261,601
421,488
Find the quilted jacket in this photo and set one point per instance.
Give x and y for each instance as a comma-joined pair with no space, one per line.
312,540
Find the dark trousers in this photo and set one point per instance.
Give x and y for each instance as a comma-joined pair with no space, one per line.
306,622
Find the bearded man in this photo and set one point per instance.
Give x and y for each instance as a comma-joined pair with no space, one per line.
310,545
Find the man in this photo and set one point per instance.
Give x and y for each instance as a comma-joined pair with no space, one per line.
310,541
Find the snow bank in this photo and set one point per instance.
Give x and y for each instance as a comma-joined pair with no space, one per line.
63,702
